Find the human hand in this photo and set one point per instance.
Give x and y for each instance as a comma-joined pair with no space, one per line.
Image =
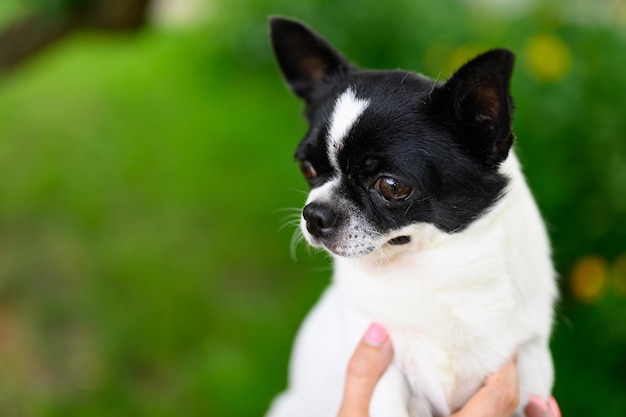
499,397
368,363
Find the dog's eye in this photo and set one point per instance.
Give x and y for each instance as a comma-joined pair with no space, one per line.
307,170
391,189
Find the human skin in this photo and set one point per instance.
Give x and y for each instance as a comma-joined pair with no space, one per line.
497,398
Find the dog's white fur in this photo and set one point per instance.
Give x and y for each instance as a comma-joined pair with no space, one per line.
348,109
456,305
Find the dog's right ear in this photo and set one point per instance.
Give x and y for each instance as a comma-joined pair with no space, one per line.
305,58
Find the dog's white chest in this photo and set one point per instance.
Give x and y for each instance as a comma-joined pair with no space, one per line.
445,340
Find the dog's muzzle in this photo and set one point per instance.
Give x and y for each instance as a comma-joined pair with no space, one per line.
328,226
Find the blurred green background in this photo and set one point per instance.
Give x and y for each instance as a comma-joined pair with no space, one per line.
147,174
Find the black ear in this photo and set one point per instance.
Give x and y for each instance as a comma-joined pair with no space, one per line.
305,58
480,99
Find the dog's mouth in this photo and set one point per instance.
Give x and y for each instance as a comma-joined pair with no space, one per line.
400,240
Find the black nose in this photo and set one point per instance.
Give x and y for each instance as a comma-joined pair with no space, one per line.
320,219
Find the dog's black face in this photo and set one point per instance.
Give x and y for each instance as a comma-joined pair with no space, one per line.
388,150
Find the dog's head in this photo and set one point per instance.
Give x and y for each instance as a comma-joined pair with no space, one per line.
388,151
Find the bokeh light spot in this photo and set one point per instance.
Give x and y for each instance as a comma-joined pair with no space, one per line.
547,57
588,279
460,56
619,275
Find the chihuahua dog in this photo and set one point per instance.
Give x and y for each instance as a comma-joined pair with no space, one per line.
417,194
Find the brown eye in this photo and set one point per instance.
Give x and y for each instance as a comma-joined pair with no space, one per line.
307,170
391,189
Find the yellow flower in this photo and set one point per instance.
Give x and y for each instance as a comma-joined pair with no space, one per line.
460,56
547,57
619,275
588,279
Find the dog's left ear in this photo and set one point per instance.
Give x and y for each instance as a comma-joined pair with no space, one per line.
305,58
480,101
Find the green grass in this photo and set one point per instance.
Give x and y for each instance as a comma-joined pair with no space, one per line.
142,263
12,9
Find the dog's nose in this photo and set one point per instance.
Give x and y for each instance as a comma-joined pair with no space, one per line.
320,219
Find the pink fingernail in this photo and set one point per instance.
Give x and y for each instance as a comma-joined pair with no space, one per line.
554,407
537,402
375,335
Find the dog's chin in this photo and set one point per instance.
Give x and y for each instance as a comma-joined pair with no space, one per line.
351,249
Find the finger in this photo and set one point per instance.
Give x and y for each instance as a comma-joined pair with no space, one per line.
537,408
554,407
499,397
369,361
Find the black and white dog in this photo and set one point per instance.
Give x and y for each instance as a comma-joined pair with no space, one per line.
435,235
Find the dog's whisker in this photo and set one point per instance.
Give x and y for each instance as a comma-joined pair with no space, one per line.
432,89
382,257
323,269
378,248
296,238
283,209
289,224
305,192
289,221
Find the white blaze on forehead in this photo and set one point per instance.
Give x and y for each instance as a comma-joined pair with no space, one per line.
347,111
